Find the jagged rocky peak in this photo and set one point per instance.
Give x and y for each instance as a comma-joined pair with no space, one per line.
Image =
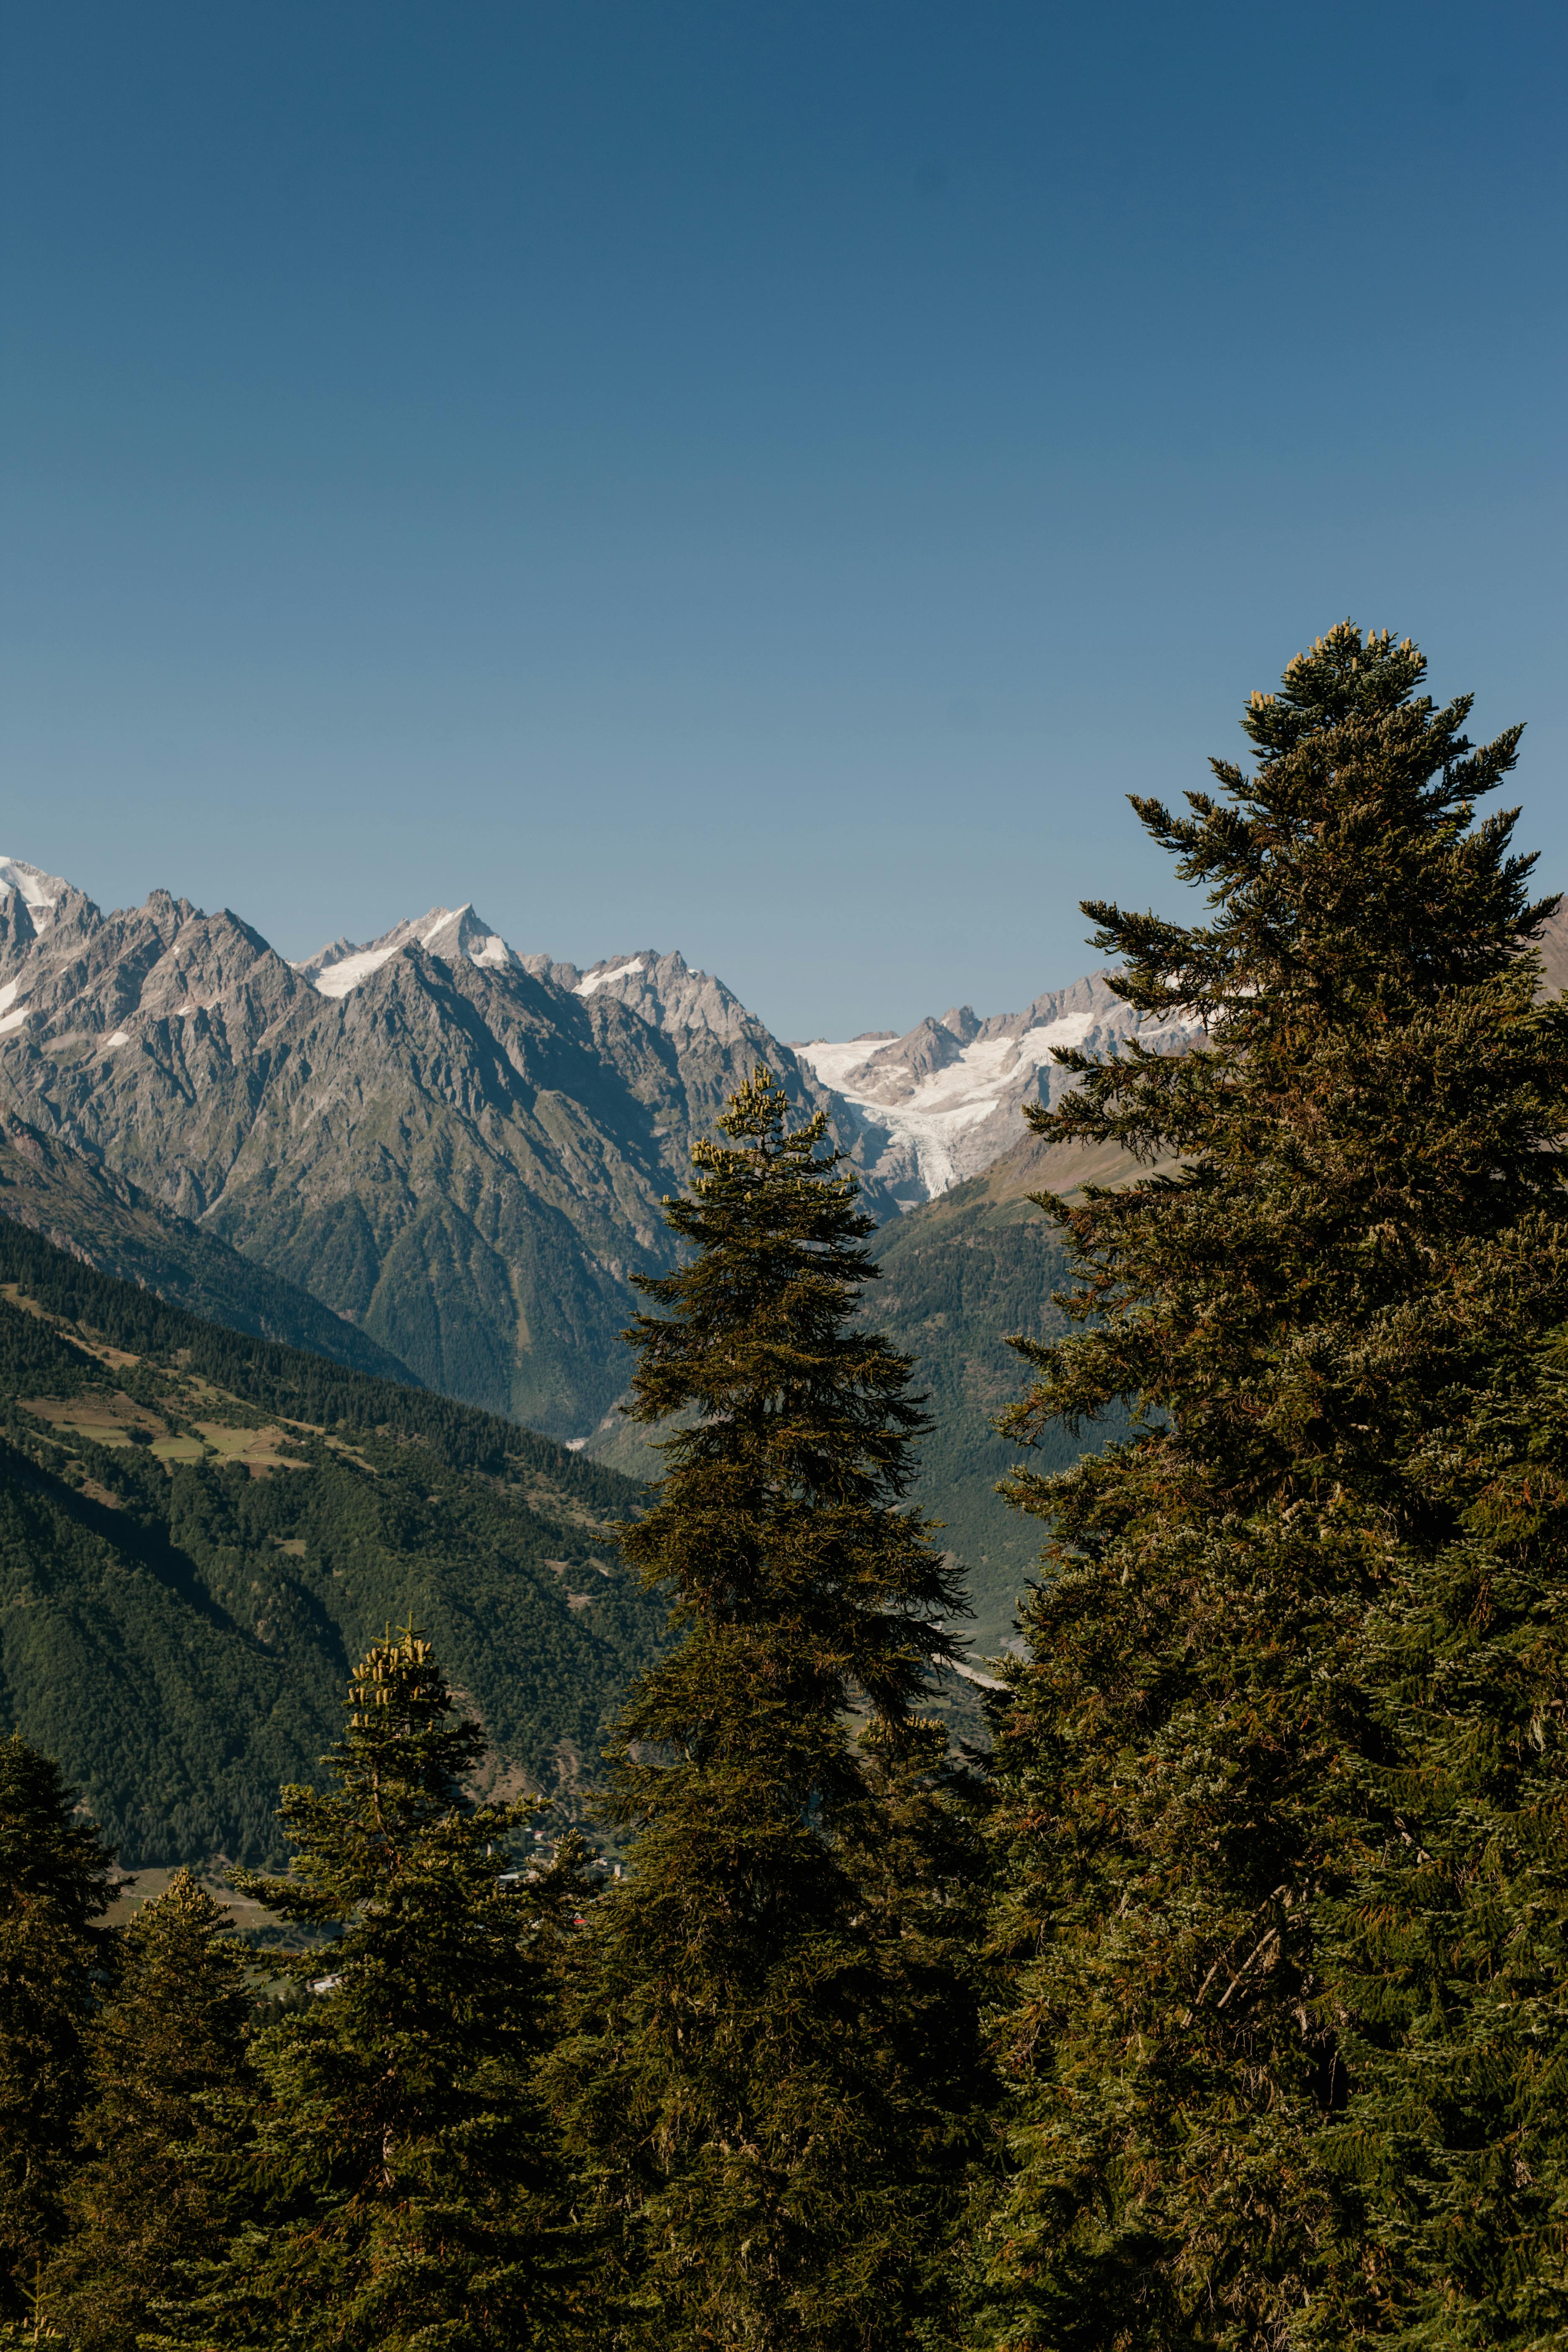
452,933
91,983
29,901
665,992
40,893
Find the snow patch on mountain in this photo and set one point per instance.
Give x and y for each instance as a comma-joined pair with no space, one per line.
449,932
41,891
603,974
943,1102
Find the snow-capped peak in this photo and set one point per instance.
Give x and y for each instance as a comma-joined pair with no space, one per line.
450,932
40,890
943,1102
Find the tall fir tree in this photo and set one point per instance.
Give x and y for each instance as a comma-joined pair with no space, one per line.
55,1879
166,2055
770,2094
1215,1913
399,2177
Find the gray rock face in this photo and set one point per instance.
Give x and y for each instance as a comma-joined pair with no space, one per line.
460,1149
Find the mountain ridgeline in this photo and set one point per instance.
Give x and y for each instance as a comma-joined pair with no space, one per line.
458,1151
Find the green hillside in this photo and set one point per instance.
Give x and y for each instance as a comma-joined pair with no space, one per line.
199,1531
959,1273
109,1221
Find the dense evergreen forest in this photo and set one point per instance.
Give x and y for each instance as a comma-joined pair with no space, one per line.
1221,2003
199,1532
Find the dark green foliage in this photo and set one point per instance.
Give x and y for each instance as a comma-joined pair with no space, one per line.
166,2060
54,1879
1280,1790
36,1358
958,1274
771,2086
170,1628
1450,1951
398,2173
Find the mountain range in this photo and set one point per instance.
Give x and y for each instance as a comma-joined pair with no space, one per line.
438,1160
457,1150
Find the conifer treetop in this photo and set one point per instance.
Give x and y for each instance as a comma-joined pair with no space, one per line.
1378,1091
1327,864
758,1327
400,1773
796,1429
402,2170
47,1851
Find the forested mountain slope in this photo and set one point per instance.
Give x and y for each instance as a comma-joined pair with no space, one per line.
84,1207
199,1531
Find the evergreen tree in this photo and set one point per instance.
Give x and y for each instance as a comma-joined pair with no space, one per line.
54,1884
399,2179
1448,1953
168,2036
1205,1777
769,2091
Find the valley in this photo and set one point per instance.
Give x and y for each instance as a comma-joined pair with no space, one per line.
199,1531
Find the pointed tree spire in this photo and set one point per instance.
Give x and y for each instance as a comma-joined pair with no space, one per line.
768,2093
398,2169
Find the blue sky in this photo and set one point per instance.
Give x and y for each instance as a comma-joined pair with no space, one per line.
763,479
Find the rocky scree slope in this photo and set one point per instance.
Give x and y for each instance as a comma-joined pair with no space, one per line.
460,1150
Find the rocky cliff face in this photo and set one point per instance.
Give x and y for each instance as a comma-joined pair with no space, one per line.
460,1149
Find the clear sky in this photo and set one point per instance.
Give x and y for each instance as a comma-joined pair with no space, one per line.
760,480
